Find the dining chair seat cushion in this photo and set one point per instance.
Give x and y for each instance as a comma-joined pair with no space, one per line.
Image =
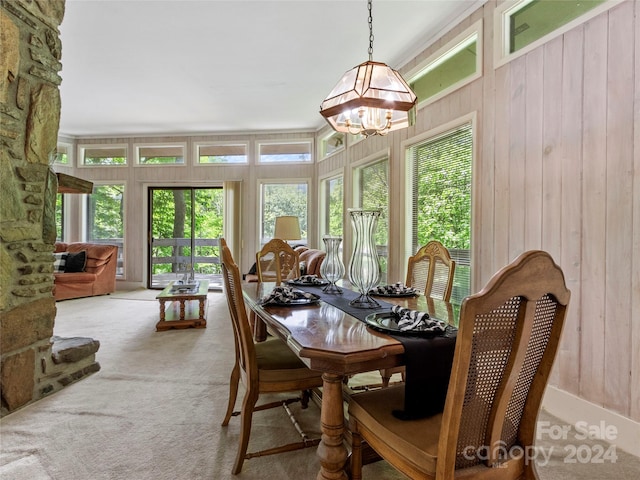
415,440
277,362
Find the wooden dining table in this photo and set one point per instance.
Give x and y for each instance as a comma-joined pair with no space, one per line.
329,340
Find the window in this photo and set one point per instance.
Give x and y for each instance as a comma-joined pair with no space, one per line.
279,199
103,155
440,197
222,153
288,152
456,64
332,201
59,217
331,144
525,24
371,187
160,155
105,218
63,154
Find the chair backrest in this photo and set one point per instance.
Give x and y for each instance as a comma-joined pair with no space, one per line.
431,271
277,261
507,341
245,349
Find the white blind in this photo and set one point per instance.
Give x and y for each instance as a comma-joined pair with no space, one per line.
441,193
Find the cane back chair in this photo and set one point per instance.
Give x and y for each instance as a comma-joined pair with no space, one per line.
265,367
506,344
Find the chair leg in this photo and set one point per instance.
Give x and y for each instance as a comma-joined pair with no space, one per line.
233,393
304,398
386,377
248,404
356,456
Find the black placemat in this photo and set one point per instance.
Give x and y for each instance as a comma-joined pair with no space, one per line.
428,361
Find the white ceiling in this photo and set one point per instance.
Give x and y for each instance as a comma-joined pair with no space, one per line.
148,67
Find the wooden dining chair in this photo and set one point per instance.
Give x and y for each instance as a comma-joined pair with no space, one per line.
277,261
266,367
506,344
430,271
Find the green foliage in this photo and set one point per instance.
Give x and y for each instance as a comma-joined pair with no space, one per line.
105,160
172,218
283,199
106,212
442,188
336,206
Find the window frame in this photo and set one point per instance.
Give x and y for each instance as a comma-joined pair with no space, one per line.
260,237
138,146
322,150
323,202
230,143
407,181
501,21
445,52
356,174
309,141
85,222
70,157
82,147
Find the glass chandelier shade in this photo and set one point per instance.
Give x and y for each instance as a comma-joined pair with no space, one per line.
370,99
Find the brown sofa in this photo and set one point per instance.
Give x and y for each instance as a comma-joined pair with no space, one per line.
98,277
313,259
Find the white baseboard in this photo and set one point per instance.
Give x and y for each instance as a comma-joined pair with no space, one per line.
574,409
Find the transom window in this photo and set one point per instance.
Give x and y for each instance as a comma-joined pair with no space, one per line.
103,155
285,152
331,144
160,154
454,65
63,154
222,153
533,19
524,25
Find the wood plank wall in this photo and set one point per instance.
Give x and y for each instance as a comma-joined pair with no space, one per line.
557,141
556,169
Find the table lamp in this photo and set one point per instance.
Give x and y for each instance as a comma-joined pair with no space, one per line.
287,228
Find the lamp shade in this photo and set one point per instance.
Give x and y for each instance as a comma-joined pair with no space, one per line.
287,228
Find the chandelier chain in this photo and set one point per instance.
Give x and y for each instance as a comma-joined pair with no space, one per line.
370,31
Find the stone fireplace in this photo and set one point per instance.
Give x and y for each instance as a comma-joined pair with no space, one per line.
33,363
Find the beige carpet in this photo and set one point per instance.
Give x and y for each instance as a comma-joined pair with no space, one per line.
154,409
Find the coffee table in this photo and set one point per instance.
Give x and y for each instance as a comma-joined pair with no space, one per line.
187,307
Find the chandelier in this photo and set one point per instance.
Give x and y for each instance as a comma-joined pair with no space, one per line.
369,99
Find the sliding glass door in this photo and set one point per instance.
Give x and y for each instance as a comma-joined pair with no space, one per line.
185,224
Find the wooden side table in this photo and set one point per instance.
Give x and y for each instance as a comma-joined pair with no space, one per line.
186,309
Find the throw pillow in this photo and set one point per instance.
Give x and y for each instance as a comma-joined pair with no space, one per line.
60,259
76,261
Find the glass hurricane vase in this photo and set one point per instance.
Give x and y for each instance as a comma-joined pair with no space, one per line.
332,268
364,267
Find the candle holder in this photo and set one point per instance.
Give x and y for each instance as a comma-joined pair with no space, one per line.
364,267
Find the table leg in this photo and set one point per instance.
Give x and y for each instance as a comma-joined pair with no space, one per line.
259,327
182,309
201,311
162,316
331,450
